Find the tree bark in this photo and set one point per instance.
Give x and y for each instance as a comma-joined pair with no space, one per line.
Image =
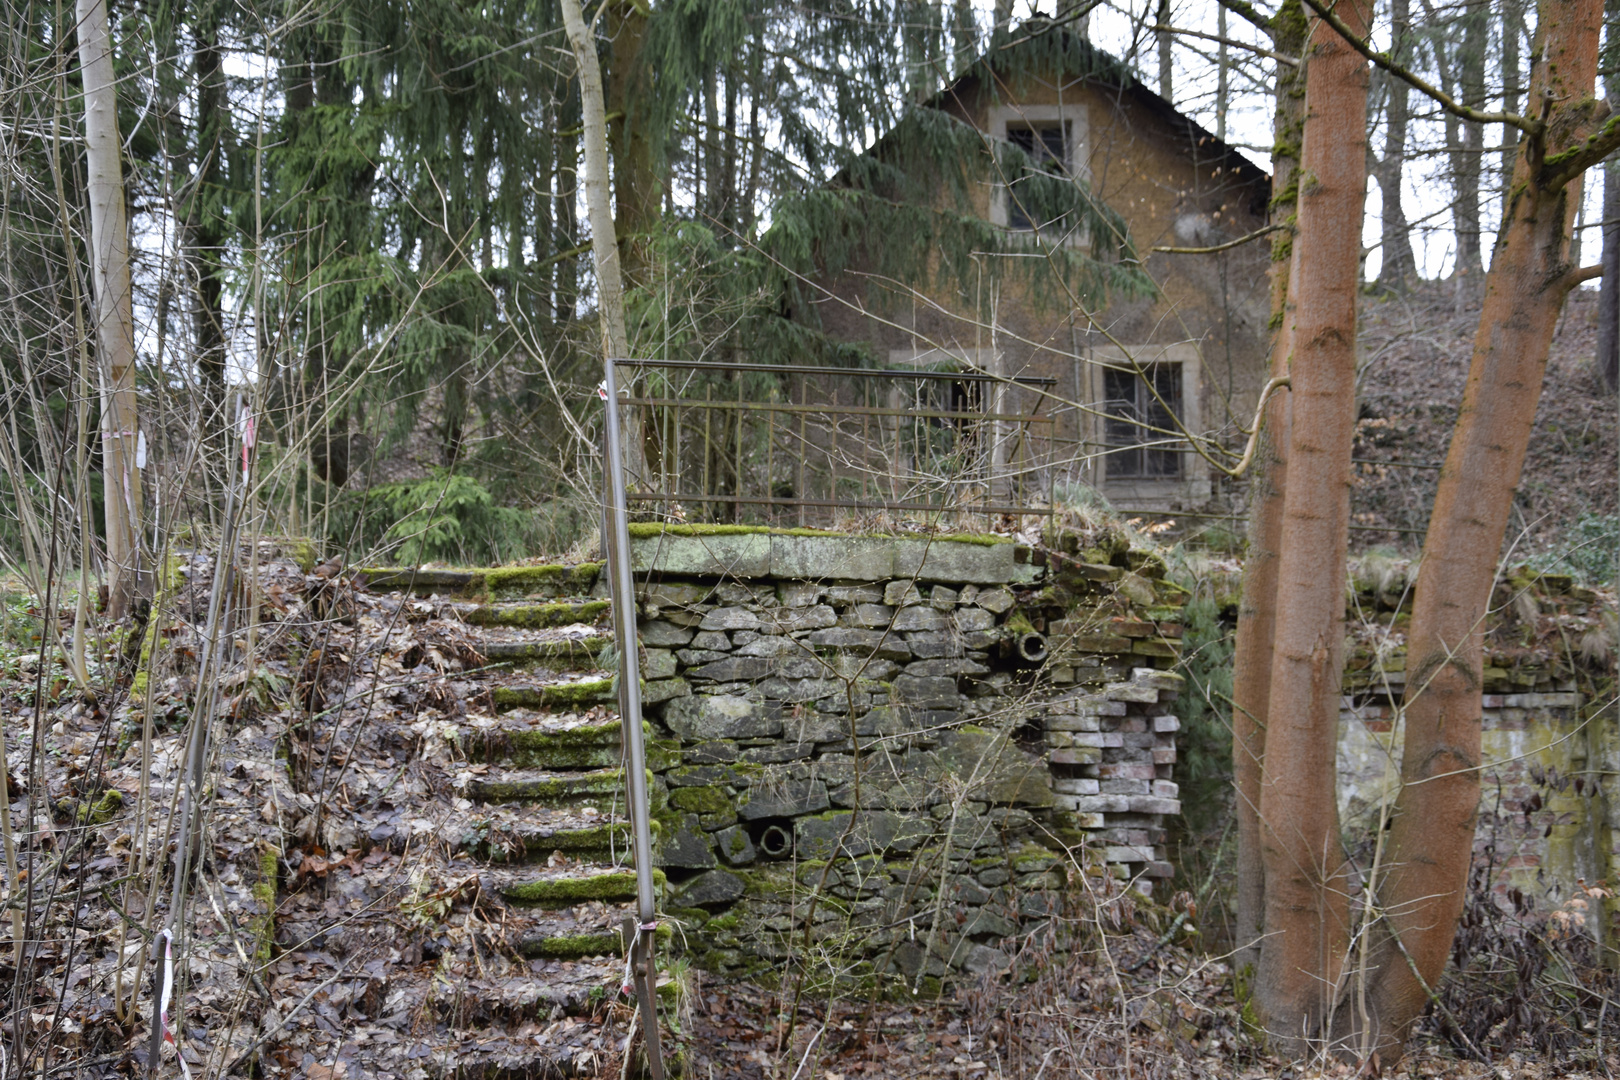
1306,901
115,327
1608,336
1431,840
1399,264
637,192
1251,665
1468,161
1166,74
207,233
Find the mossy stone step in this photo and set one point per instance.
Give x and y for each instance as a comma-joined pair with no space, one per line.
549,788
495,583
537,616
537,838
569,654
611,885
586,746
578,946
581,694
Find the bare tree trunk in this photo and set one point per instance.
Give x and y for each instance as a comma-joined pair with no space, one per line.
115,328
207,234
1608,337
1399,265
1222,82
1251,664
1166,75
1431,840
1306,901
1471,69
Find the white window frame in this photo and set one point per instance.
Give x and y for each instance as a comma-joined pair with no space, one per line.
1076,146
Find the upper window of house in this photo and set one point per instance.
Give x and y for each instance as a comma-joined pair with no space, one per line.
1136,405
1047,144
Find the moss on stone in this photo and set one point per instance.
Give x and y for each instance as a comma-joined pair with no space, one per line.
981,539
550,789
575,695
702,800
549,580
572,946
567,891
589,746
539,616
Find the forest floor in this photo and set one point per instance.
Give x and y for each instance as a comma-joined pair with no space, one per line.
369,905
1414,364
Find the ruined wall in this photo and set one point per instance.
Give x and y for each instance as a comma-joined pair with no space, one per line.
1546,815
944,716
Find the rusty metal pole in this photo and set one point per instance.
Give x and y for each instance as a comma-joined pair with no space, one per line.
635,751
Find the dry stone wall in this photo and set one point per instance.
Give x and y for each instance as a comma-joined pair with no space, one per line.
899,742
1547,816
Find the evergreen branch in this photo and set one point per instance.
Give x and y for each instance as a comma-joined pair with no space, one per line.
1533,128
1291,61
1257,234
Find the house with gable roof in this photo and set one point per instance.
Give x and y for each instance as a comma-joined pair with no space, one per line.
1121,375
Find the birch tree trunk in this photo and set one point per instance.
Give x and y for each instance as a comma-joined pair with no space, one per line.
1432,837
1307,921
598,184
115,328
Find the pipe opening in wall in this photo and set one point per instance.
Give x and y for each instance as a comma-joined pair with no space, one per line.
1032,647
776,842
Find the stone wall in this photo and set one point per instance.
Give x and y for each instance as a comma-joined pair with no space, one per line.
900,740
1549,748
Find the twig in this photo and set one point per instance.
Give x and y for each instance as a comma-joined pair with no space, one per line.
1257,234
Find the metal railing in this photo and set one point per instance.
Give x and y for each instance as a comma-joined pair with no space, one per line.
786,444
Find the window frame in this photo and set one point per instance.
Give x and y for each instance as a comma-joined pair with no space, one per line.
1076,145
1131,491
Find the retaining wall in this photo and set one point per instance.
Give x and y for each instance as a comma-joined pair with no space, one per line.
948,717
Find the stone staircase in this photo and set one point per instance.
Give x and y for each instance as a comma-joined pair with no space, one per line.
546,832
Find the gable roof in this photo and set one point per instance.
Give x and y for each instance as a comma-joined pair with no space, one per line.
1042,46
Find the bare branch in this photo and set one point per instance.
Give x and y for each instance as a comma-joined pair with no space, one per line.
1257,234
1531,127
1291,61
1244,9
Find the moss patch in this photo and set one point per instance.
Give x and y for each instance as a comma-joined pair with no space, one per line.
552,580
564,892
701,800
262,927
539,616
550,790
570,946
576,695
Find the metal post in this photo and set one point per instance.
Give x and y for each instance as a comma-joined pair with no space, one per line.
624,625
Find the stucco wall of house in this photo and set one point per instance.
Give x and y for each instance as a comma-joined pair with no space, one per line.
1174,187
